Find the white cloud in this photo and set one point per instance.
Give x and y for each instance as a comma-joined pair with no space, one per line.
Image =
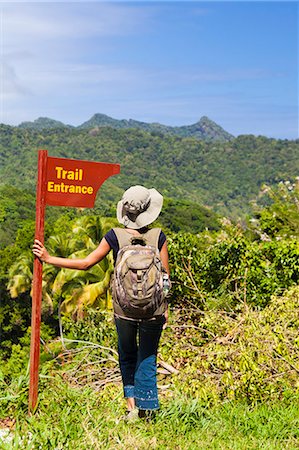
34,23
78,78
42,45
11,87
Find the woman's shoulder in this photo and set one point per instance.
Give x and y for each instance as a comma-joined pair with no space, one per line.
111,232
110,237
162,239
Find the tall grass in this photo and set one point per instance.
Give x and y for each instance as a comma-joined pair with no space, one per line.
82,419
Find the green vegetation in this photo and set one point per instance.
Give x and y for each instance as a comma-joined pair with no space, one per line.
228,361
80,419
181,215
224,176
231,267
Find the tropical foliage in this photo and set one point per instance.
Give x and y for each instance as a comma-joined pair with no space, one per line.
277,211
74,290
231,268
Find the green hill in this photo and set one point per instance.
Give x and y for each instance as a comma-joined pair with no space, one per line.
224,176
43,123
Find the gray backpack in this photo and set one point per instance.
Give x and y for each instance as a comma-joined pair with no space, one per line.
137,284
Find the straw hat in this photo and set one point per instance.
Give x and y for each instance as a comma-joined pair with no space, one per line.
139,207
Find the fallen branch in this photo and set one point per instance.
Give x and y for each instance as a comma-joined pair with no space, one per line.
91,344
167,366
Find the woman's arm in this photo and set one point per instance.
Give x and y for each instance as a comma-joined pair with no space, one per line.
164,257
93,258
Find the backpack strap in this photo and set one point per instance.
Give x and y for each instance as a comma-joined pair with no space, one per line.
124,237
152,236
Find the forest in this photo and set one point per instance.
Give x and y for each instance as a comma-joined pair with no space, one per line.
228,361
223,176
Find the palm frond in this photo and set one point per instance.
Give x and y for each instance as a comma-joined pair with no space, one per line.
20,275
95,294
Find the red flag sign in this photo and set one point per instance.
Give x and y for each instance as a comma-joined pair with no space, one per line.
71,182
61,182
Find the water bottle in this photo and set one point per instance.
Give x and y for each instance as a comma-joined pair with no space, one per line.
166,284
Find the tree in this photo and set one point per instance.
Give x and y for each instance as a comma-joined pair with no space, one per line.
73,289
277,211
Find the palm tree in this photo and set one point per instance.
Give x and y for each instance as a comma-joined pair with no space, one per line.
73,289
79,289
20,275
93,227
20,280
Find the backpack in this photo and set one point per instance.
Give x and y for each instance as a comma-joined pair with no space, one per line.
137,284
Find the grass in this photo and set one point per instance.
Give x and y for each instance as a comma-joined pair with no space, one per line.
82,419
76,412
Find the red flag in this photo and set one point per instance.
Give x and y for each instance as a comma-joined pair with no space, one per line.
61,182
72,182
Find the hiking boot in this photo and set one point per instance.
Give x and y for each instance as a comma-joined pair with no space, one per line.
131,416
147,414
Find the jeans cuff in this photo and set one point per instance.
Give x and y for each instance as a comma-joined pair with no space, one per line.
141,403
128,391
146,399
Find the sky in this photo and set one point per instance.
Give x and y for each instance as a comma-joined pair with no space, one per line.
167,62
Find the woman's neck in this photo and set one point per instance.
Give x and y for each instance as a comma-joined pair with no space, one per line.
137,232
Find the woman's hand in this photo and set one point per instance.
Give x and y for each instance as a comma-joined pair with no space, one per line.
40,251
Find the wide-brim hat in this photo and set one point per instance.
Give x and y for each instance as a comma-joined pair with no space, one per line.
139,207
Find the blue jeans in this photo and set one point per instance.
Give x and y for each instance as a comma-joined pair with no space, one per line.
137,348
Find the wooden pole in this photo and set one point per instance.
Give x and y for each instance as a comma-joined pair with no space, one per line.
37,280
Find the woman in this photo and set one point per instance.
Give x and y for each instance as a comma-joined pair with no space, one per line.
138,339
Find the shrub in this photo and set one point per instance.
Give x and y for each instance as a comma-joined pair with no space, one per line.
231,267
252,355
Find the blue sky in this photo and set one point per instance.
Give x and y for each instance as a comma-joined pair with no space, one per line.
168,62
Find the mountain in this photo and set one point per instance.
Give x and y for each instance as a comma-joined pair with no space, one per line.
205,129
43,123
